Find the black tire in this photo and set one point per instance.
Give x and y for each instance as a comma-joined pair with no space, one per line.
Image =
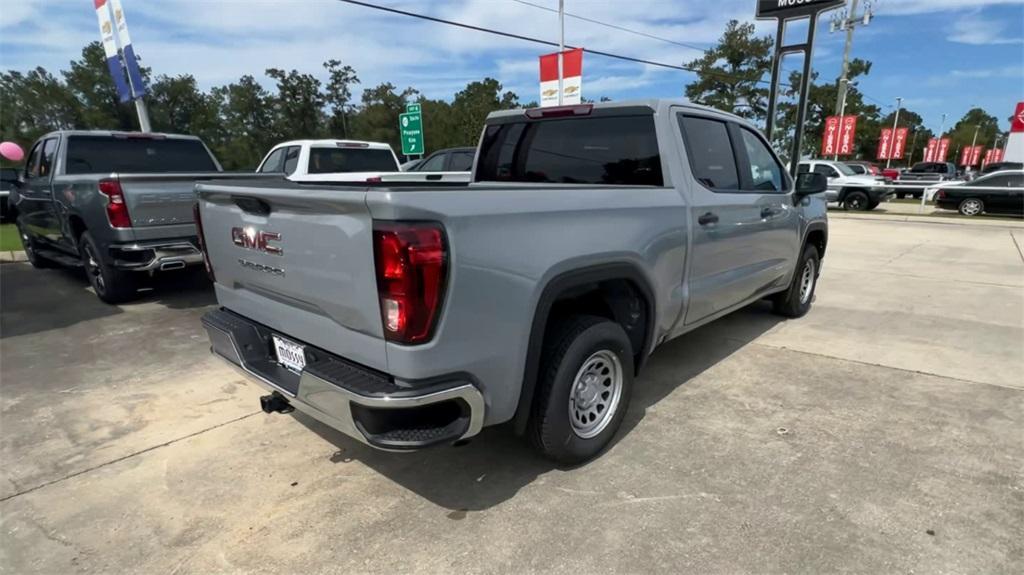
792,303
873,204
971,207
31,251
111,284
572,345
856,201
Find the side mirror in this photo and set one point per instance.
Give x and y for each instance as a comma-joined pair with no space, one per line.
810,183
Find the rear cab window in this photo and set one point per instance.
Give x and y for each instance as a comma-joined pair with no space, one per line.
130,154
331,160
597,150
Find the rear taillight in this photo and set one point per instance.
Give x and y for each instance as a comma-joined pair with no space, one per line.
202,240
411,261
117,210
940,195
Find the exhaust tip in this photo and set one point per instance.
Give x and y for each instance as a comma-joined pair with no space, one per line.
173,265
275,403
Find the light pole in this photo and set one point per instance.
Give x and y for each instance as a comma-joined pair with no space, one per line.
561,45
973,142
842,107
892,140
846,21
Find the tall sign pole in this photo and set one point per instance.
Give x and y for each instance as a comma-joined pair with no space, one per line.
784,12
847,21
561,47
895,123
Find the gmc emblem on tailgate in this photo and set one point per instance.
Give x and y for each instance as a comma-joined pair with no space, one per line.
252,239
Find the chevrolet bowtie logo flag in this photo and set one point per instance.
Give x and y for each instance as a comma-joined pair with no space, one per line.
572,78
110,50
130,61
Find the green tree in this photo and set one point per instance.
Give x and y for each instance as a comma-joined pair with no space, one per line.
728,74
378,118
34,103
298,105
339,95
974,121
177,105
247,116
89,82
472,104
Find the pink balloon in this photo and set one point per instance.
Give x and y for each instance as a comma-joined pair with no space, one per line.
11,151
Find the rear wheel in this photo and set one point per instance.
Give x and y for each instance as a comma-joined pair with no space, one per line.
31,252
971,207
856,201
585,383
111,284
873,204
796,301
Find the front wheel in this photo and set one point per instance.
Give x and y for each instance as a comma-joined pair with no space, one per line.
111,284
971,207
856,201
796,301
584,386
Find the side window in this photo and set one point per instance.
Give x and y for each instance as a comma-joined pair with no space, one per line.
826,171
47,157
291,159
434,163
32,164
992,182
1015,181
273,161
711,154
803,169
765,172
461,162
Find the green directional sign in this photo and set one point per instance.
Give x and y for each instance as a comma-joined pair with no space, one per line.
411,126
412,108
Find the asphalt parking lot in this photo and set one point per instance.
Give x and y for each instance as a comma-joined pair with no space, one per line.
881,433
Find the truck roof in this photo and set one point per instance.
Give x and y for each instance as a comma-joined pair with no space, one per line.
652,104
121,133
328,143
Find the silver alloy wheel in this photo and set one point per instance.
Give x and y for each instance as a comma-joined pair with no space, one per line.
92,267
971,207
595,394
807,279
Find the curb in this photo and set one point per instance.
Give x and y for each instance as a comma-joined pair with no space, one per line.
10,257
928,220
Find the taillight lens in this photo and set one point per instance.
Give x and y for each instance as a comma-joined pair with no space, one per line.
940,195
202,240
117,210
412,264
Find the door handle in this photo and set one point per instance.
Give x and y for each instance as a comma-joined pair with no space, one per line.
708,218
767,212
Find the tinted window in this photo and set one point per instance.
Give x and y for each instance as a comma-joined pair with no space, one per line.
711,154
765,172
47,157
291,159
803,169
857,169
461,162
825,170
342,160
273,161
928,168
104,154
997,181
434,163
616,151
32,164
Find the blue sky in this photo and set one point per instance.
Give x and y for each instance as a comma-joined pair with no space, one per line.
941,56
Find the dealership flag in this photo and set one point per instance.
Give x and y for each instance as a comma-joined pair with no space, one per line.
848,135
130,61
965,156
572,78
943,152
929,152
899,143
830,138
976,155
884,144
998,155
988,158
110,50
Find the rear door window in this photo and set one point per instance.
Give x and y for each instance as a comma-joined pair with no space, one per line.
461,162
618,150
291,159
711,153
434,163
825,170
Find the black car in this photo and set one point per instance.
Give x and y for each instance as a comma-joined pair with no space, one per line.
1001,166
999,192
447,160
7,178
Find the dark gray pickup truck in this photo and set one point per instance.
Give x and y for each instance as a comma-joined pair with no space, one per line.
589,235
120,204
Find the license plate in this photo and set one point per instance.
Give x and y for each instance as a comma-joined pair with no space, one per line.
290,355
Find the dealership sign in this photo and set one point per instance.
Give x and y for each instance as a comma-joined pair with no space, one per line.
943,150
892,144
785,9
975,155
929,152
572,78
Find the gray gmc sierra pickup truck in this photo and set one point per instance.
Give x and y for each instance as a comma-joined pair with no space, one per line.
117,203
417,315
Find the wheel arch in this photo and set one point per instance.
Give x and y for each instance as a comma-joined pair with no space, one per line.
586,287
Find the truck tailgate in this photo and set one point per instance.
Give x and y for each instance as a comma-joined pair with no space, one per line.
159,199
299,261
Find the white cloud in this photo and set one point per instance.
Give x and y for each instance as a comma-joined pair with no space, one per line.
976,30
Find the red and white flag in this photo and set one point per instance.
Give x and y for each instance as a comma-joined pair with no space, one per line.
976,155
943,151
899,143
929,152
965,156
884,144
830,137
847,135
572,78
998,155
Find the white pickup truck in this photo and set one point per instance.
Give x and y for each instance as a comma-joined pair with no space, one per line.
343,161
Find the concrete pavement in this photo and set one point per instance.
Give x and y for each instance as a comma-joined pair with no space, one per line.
881,433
